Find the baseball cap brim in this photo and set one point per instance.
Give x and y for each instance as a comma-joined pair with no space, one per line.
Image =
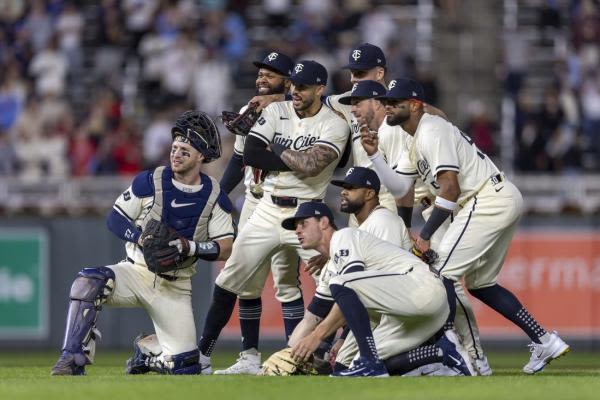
339,183
259,64
290,223
360,67
299,81
348,99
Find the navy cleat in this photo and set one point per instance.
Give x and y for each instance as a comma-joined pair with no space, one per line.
454,354
139,363
69,364
363,367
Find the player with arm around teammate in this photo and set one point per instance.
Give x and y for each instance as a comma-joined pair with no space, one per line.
299,143
370,113
273,77
370,275
188,202
485,208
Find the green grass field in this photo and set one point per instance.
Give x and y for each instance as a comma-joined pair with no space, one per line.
26,376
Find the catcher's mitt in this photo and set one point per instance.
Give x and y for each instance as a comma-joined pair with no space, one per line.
283,364
240,124
159,256
429,256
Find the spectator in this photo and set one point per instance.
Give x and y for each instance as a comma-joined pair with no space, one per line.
49,68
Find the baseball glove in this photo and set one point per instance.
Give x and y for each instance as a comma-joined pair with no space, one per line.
429,256
283,364
159,256
240,124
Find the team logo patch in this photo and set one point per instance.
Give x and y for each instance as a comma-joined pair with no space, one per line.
423,167
340,254
261,121
392,85
298,68
127,196
272,56
356,54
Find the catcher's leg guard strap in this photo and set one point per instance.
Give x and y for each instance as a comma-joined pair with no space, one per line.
88,292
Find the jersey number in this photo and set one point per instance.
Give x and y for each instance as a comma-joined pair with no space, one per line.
470,141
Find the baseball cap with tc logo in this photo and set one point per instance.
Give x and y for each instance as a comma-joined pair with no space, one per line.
308,210
360,177
277,62
364,57
309,72
403,89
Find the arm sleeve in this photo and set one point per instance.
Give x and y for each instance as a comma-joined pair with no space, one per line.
257,155
320,307
396,183
122,227
233,174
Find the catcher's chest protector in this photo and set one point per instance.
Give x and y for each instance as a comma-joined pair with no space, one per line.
187,213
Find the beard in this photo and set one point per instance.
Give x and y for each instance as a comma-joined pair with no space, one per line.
351,207
397,119
273,90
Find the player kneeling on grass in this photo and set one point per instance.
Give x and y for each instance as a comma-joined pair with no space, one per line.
170,218
368,275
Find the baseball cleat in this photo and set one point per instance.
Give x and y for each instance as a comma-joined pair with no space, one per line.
205,365
455,356
139,363
434,369
482,366
69,364
543,353
247,364
363,367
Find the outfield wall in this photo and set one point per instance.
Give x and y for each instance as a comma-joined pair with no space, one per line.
554,268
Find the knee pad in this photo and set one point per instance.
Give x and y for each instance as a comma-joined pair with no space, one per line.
93,285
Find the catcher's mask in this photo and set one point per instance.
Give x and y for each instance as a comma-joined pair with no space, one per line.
199,130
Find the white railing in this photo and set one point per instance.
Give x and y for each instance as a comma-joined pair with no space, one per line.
545,194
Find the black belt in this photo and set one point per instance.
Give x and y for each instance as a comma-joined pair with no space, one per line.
285,201
425,202
257,196
496,179
169,278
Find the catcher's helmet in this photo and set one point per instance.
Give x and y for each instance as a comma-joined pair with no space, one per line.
201,132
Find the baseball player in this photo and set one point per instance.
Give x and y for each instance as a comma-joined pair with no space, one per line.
484,206
191,203
273,77
370,276
299,143
370,114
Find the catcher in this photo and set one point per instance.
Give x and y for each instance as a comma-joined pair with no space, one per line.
169,218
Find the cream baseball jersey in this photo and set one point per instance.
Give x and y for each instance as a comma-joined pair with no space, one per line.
440,146
135,209
279,123
353,250
388,226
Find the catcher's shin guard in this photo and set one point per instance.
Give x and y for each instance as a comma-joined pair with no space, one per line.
88,292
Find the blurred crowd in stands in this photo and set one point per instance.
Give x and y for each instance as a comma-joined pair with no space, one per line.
92,87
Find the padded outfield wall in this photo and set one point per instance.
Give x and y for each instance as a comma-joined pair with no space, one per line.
553,266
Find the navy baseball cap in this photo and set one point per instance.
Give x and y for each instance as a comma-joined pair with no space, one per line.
360,177
277,62
403,89
364,57
309,72
307,210
364,90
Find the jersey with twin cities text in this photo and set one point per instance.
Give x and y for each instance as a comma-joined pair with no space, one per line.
440,146
279,123
135,209
354,250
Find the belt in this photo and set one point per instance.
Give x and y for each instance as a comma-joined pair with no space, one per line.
166,277
257,196
285,201
425,202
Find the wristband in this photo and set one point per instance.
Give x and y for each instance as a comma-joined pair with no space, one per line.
443,203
